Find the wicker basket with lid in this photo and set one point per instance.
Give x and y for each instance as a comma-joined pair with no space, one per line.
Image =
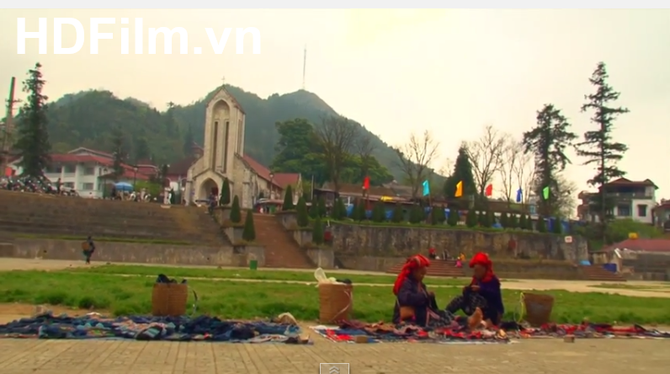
169,299
336,300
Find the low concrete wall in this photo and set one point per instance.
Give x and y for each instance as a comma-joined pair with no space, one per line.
323,258
504,268
128,252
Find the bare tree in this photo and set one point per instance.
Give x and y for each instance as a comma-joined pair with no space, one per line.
414,158
565,202
337,136
511,153
363,147
524,173
485,155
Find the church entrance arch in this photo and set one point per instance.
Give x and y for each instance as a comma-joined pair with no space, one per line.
209,187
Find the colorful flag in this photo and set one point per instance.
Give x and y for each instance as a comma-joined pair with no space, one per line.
519,195
426,188
459,189
545,193
366,183
489,190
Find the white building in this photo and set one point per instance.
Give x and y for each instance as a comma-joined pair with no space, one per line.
86,171
632,200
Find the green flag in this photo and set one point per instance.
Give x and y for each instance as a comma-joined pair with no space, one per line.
545,193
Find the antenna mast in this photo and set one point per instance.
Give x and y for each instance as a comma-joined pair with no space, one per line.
304,66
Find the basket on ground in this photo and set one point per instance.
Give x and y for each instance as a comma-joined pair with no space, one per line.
538,308
169,299
336,300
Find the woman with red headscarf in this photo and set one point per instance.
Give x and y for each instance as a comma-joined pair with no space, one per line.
414,302
483,293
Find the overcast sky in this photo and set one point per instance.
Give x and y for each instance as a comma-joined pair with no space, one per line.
451,71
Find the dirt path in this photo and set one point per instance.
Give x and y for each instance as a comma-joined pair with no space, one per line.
657,289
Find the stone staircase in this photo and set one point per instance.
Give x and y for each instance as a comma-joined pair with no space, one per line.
59,216
437,268
281,250
597,273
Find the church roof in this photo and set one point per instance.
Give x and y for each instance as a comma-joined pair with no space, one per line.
281,180
232,98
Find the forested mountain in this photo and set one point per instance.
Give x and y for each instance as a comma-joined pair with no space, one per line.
89,119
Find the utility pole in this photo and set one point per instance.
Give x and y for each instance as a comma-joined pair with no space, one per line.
8,129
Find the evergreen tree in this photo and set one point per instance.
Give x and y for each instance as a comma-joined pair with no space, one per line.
398,214
462,172
118,153
557,227
288,199
355,211
416,214
249,232
471,220
317,231
504,220
541,225
481,219
453,217
434,215
490,219
189,141
362,211
303,217
378,212
523,223
235,212
442,214
512,221
529,223
32,141
547,141
224,198
313,209
598,147
339,211
321,207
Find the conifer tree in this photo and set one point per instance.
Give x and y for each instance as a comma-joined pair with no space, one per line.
471,220
598,146
224,199
32,141
249,231
398,214
512,221
321,207
541,225
303,216
317,231
453,217
235,212
288,199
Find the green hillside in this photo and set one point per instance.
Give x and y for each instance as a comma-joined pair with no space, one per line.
89,118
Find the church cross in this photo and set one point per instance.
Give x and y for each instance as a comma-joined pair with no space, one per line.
223,81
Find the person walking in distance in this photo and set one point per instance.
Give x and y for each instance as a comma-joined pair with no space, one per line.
88,248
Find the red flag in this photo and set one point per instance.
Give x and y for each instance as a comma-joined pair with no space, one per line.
489,190
366,183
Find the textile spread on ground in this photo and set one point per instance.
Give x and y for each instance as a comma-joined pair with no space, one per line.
202,328
351,331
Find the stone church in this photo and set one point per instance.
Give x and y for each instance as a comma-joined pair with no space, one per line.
222,155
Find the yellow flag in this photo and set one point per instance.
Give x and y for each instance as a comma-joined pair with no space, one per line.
459,189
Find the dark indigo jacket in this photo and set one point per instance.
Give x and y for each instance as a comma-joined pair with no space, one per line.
413,293
490,291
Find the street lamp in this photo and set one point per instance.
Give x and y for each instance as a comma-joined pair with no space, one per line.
272,177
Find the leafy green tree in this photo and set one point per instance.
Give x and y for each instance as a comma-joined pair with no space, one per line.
288,199
378,212
599,147
471,220
141,149
504,220
119,154
462,172
541,225
249,232
548,142
303,217
224,198
453,217
32,143
317,231
398,214
235,212
321,207
189,141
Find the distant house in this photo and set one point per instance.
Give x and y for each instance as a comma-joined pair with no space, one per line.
661,214
272,185
87,171
632,200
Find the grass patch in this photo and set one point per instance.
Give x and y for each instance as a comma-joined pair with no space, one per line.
275,275
230,299
632,287
101,239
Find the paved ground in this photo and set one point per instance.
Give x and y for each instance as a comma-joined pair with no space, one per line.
127,357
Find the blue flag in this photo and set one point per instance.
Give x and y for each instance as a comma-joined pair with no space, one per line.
426,188
519,195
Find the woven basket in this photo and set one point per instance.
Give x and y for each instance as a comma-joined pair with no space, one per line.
169,299
336,301
538,308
